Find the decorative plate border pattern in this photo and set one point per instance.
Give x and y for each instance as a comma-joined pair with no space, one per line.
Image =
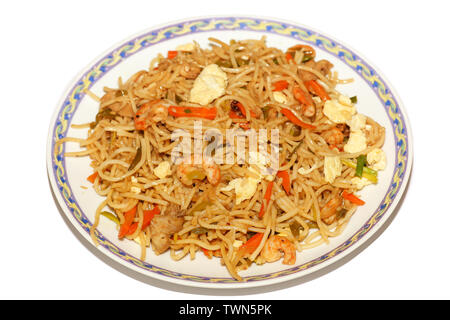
108,62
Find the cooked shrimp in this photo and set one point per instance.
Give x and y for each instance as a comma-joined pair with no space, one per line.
212,170
115,101
323,66
273,248
328,212
307,107
153,111
272,114
333,136
187,172
308,110
189,71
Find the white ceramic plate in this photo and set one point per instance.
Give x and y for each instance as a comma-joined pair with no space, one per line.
376,99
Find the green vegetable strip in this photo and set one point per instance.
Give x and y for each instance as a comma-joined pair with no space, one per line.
360,163
368,173
136,159
199,230
295,228
306,58
110,216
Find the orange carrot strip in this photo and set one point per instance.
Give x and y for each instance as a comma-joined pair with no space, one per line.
286,180
148,216
172,54
125,226
280,85
266,199
251,244
288,113
352,198
197,112
92,177
207,253
244,125
242,109
289,57
314,87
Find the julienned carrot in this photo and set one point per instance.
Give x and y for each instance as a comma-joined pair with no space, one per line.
242,110
286,180
172,54
148,216
132,228
197,112
207,253
352,198
314,87
266,199
280,85
125,226
291,116
289,57
244,125
92,177
233,115
250,246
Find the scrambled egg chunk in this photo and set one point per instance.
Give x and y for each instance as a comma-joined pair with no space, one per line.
262,163
357,122
356,143
332,168
340,110
280,97
237,243
209,85
360,182
162,170
377,159
357,140
135,189
245,188
190,46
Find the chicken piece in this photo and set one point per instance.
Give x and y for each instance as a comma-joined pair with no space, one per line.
209,85
163,226
113,101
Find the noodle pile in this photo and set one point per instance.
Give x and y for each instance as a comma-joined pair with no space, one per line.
297,208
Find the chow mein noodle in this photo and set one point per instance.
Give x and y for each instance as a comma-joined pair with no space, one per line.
292,194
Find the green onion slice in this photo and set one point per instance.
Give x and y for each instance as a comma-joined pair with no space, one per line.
360,163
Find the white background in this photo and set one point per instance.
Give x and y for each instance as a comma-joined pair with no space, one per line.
44,44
